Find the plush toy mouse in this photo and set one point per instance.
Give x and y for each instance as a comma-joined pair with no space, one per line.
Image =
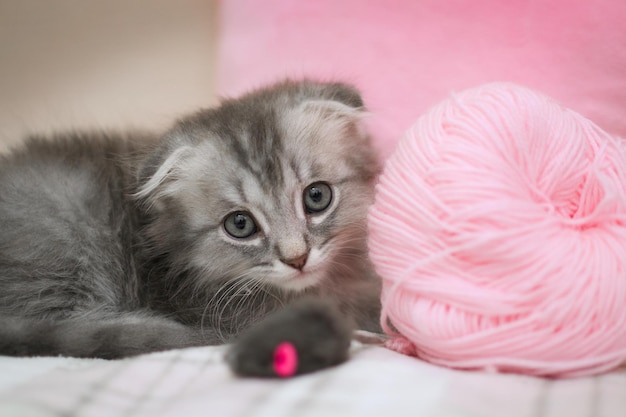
301,338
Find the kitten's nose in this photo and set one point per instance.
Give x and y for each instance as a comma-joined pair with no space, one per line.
297,262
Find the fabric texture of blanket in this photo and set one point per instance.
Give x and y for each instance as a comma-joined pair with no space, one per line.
374,382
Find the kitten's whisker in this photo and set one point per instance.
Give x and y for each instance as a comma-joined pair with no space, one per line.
341,267
242,294
239,286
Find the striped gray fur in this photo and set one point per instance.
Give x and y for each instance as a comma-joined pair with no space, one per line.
114,244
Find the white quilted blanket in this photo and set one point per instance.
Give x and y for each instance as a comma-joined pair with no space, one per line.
374,382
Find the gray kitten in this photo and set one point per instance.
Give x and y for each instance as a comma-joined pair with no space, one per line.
114,245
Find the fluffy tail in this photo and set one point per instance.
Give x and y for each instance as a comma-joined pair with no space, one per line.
110,338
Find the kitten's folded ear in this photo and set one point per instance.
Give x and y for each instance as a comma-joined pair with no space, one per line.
344,94
334,101
309,90
158,173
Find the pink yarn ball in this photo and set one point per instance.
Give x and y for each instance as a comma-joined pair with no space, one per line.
499,230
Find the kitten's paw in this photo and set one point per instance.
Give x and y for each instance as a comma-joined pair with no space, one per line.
301,338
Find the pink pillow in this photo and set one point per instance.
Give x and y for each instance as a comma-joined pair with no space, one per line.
408,55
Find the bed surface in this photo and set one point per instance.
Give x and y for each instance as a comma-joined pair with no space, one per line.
374,382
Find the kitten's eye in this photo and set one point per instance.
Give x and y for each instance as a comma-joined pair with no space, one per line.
317,197
240,224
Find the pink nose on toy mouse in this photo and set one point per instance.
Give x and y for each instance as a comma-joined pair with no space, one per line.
285,360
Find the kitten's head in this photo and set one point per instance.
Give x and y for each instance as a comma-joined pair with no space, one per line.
272,187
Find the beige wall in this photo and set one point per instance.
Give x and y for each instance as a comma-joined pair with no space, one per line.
103,63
